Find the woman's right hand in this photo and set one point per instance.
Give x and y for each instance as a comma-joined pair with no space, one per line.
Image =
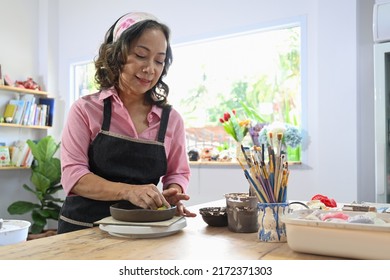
146,196
95,187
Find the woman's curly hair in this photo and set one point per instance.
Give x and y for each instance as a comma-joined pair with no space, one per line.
113,55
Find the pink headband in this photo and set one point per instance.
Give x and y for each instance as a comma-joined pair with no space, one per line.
128,20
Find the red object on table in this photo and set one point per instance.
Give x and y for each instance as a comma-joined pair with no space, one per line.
330,202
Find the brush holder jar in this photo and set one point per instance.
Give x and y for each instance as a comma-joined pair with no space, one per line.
271,227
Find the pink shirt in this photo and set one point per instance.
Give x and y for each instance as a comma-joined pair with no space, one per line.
84,123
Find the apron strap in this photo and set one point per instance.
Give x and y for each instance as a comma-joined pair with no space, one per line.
107,114
163,124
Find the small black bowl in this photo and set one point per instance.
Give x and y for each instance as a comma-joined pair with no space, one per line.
214,216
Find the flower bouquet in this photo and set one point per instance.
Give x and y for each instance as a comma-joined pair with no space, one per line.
278,134
291,136
235,127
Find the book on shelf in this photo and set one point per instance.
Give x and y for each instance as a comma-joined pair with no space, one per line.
20,154
4,156
43,115
1,77
21,106
30,100
31,116
37,115
50,109
10,110
28,158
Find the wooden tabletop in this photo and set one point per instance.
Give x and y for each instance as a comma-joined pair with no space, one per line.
197,241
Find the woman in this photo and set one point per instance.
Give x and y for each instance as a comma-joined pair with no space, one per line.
119,142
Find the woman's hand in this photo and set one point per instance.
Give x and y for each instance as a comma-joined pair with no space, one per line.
174,197
146,196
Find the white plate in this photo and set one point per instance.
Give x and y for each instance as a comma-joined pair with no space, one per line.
143,231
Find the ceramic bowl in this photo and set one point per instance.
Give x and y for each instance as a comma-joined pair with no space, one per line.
13,231
127,212
214,216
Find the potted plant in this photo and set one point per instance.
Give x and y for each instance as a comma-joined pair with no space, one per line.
46,176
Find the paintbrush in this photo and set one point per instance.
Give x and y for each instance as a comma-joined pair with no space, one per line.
280,137
252,183
278,174
248,161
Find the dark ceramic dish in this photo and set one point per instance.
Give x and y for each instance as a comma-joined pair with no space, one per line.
127,212
214,216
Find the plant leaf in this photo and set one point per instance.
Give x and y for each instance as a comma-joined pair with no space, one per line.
29,189
21,207
38,218
35,228
54,189
44,149
252,113
41,182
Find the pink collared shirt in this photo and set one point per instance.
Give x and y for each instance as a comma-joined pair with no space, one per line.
84,123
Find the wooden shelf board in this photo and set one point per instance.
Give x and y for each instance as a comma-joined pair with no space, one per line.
13,168
24,126
23,90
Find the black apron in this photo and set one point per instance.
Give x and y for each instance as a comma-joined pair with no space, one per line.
116,158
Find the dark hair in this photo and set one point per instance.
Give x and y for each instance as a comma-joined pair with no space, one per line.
113,55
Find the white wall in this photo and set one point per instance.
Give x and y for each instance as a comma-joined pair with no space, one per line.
339,104
19,59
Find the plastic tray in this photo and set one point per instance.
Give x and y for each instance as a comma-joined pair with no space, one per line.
346,240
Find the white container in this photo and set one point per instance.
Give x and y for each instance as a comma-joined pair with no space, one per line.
347,240
13,231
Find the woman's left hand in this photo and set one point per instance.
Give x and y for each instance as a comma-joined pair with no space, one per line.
174,197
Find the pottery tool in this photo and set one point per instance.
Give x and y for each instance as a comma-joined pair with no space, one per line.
359,208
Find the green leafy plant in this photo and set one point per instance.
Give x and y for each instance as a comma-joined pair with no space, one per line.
46,176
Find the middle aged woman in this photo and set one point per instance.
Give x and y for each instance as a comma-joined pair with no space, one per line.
120,142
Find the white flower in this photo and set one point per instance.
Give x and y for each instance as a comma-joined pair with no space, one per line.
291,135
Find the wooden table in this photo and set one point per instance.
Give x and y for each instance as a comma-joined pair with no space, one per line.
197,241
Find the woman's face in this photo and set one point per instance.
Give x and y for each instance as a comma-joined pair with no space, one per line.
145,63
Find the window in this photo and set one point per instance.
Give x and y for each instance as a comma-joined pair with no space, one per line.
83,79
261,69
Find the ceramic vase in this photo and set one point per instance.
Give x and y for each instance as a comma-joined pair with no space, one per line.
239,154
271,228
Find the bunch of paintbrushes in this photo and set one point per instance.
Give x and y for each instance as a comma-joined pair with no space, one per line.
268,178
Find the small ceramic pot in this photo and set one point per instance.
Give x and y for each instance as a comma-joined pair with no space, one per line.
242,212
271,228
